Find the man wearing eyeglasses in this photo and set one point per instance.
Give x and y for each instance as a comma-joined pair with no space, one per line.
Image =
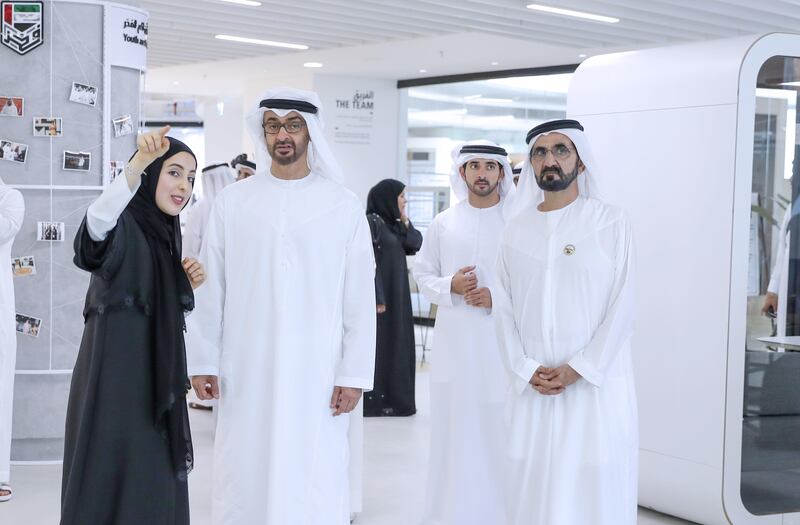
564,313
284,335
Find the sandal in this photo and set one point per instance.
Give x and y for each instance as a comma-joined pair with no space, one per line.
4,487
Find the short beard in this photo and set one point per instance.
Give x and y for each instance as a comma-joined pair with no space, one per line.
483,193
283,160
560,183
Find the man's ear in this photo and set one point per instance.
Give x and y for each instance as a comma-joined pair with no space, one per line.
581,166
463,173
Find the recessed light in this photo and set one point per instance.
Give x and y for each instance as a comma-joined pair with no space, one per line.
243,2
175,82
423,70
570,12
495,63
497,100
245,40
582,55
312,64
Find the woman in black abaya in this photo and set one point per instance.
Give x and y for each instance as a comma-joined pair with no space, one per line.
127,447
393,238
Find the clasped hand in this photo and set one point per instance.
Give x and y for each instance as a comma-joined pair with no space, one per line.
553,381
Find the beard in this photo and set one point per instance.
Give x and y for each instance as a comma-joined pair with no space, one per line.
484,191
560,182
285,160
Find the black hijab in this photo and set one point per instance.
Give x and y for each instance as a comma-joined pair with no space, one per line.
172,297
382,200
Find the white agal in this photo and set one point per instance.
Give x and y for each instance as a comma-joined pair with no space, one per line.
565,295
468,380
287,312
12,210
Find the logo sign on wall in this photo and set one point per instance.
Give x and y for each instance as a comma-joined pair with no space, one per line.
22,25
127,29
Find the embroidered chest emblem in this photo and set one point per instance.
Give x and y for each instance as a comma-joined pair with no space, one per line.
569,249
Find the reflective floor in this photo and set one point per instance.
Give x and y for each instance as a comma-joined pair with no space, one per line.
395,458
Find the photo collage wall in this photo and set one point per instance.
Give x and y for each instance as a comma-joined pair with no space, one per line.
53,125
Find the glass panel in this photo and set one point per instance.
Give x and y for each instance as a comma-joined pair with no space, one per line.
771,424
501,110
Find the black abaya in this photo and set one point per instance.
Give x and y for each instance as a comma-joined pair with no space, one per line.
395,359
117,462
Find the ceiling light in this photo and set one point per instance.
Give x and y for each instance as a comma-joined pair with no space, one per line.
497,100
472,97
243,2
246,40
175,82
312,64
582,55
495,63
570,12
423,70
496,117
793,84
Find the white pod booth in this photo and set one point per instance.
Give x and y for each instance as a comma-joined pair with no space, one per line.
697,142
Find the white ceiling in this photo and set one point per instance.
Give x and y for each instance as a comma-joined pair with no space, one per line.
182,31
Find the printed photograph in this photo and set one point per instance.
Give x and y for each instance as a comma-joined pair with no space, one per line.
123,125
115,169
47,127
13,151
77,161
49,231
28,325
21,266
11,106
83,94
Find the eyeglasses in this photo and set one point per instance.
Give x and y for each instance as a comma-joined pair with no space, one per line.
295,126
559,151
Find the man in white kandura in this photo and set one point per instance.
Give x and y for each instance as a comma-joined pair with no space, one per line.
455,269
12,211
283,333
9,109
214,179
564,312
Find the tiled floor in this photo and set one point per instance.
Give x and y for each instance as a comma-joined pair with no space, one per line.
395,458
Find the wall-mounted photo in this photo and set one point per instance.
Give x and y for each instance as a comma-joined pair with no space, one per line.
123,125
21,266
77,161
12,106
47,127
83,94
50,231
115,169
13,151
28,325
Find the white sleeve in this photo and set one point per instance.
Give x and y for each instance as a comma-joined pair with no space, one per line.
427,270
357,366
204,326
777,268
12,212
102,215
508,337
617,327
192,234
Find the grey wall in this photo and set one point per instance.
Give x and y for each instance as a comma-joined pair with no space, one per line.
72,52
